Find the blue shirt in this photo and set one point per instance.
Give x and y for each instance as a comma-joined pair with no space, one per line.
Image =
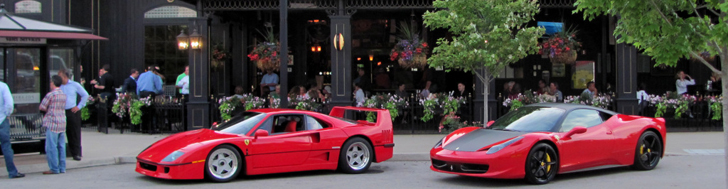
149,81
6,101
268,79
72,89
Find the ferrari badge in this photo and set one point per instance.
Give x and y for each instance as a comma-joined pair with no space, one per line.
247,141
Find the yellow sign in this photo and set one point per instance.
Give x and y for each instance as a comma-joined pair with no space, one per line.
247,142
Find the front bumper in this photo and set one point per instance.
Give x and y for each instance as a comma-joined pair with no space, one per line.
171,171
504,164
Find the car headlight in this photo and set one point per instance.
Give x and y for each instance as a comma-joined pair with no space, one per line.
439,143
173,156
499,147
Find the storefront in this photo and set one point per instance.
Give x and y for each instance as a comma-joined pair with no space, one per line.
32,51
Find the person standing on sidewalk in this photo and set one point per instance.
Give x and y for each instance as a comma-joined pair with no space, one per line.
54,121
182,75
184,84
6,108
73,90
149,84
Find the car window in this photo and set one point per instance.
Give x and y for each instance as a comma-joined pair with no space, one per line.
529,119
240,124
313,124
583,117
287,124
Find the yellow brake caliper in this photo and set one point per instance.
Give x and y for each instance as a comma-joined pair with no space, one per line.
642,149
548,160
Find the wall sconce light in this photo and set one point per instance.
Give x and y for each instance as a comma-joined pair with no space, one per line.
358,58
195,40
339,41
371,57
316,48
182,41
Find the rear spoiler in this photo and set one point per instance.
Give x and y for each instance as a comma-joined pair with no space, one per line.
382,114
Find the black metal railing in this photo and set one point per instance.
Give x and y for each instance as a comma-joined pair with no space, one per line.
26,127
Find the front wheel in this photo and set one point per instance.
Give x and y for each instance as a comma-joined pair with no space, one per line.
223,164
542,164
355,156
648,151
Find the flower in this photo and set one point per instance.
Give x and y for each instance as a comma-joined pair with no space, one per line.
562,42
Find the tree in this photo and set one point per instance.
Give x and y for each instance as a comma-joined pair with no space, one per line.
488,35
668,30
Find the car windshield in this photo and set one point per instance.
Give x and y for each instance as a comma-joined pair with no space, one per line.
240,124
529,119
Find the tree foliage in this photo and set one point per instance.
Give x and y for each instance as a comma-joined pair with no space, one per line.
666,30
487,34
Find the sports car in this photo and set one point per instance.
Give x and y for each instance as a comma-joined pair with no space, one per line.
538,141
265,141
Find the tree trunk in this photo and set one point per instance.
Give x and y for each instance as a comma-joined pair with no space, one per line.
485,99
724,83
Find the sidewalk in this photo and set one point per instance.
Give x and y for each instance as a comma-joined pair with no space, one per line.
115,148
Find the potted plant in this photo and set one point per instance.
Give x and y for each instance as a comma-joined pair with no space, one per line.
561,47
410,51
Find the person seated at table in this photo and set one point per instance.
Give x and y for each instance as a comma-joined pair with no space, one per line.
461,92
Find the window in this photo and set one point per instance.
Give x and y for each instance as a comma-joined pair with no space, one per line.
171,12
160,48
529,119
241,123
287,124
27,6
583,118
313,124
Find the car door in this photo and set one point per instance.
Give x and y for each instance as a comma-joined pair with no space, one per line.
587,149
326,143
280,148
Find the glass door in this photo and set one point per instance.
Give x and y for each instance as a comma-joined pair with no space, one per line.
24,78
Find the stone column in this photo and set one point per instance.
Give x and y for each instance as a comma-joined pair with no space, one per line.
341,81
626,79
198,107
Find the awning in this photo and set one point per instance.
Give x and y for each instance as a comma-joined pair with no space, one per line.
50,35
15,26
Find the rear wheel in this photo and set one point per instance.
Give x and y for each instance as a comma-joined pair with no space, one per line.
648,151
542,164
355,156
223,164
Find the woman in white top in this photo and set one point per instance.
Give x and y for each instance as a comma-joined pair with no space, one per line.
358,94
682,84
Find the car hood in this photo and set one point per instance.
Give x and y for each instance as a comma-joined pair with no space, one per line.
479,138
185,142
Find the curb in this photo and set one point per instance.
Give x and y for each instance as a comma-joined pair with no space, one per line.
70,164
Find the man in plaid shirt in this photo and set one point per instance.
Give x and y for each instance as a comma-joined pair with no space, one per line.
54,121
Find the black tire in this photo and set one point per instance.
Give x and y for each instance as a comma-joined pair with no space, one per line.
219,162
542,164
648,151
356,156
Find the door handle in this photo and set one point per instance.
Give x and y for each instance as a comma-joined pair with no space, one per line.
609,132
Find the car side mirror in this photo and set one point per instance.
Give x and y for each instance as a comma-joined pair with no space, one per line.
214,124
489,123
575,130
261,133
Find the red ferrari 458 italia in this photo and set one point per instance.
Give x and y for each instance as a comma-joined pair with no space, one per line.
538,141
267,141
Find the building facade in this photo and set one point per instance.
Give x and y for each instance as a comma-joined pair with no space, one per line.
143,32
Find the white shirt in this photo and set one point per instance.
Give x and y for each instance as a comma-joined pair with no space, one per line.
6,102
682,85
642,95
359,96
185,84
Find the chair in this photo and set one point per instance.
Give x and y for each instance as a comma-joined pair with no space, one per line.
291,126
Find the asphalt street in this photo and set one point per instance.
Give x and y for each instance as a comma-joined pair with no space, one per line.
681,171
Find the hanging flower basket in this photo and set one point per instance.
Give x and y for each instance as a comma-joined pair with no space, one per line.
410,51
568,57
561,47
418,61
265,54
706,56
